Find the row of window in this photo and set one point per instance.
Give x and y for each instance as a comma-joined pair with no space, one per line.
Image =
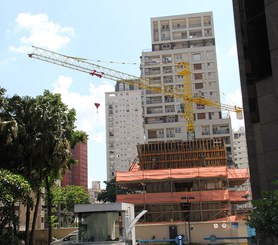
191,57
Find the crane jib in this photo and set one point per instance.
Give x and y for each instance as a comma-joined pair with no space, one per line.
184,94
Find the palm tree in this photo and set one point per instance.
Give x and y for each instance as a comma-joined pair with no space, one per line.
42,148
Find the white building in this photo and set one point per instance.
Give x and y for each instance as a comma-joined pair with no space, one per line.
240,148
241,161
183,38
94,191
240,153
124,128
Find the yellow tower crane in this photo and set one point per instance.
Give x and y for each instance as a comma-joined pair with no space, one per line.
185,94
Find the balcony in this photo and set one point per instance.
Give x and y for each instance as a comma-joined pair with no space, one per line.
152,71
169,99
171,119
195,34
167,69
154,110
154,120
178,26
155,134
168,79
171,135
154,100
169,108
179,35
194,22
221,130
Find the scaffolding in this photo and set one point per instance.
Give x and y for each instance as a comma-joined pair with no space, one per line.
168,173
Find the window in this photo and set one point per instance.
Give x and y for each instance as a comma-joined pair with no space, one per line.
198,76
196,56
197,66
199,85
199,106
179,56
166,46
201,115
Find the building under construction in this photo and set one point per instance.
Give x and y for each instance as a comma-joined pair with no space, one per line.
182,180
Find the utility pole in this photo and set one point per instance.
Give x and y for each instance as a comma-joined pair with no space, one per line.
187,198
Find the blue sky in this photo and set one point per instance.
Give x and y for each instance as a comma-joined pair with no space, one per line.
105,30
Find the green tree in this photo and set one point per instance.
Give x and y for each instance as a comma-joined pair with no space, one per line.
264,216
8,126
64,199
109,194
13,188
42,149
59,136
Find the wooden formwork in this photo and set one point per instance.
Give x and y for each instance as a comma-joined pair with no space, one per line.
180,154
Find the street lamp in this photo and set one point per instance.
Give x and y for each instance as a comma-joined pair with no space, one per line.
187,198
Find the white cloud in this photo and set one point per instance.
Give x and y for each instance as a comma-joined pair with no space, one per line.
7,61
20,49
89,118
235,97
233,50
41,32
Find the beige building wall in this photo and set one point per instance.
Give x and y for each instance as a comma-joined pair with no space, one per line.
199,231
161,231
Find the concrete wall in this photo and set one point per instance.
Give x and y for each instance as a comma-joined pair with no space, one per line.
260,93
40,236
161,231
198,233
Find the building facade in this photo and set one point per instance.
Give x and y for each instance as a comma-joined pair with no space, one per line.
78,174
185,180
240,148
257,43
94,191
124,127
241,162
177,39
178,177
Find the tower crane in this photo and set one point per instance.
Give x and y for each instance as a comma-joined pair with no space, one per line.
185,93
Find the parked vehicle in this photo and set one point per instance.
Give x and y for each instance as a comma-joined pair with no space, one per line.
68,239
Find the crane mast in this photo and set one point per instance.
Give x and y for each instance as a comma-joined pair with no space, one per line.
188,105
185,94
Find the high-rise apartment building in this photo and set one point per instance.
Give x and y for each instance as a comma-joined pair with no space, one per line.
78,174
241,162
182,38
240,148
124,127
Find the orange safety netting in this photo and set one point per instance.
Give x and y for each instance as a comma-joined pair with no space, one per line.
180,173
176,197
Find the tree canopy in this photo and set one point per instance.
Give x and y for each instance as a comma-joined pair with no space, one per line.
38,136
13,188
64,199
264,216
109,194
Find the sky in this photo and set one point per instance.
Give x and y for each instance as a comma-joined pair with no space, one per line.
113,32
